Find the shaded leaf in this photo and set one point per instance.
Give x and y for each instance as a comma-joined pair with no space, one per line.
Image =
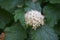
15,32
5,18
43,33
57,28
51,12
9,5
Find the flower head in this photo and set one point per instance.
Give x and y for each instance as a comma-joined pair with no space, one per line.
34,18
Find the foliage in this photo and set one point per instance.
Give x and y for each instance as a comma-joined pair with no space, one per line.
13,24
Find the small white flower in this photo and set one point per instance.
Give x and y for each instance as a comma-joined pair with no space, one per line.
34,18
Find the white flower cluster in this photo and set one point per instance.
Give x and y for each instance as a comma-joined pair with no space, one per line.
34,18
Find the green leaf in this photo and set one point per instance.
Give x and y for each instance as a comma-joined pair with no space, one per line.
15,32
42,1
57,28
54,1
5,18
9,5
20,3
43,33
32,6
51,12
19,15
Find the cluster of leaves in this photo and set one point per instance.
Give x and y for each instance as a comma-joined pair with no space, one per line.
13,24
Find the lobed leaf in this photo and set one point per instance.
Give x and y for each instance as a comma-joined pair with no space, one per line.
19,15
